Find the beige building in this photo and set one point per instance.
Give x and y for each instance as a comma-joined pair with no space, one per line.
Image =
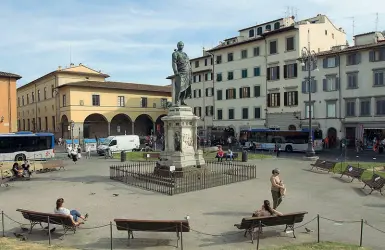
81,96
257,75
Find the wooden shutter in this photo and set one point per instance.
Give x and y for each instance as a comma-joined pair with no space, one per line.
314,86
235,94
295,69
285,71
207,92
285,94
279,99
337,60
268,73
257,91
325,62
277,72
240,93
248,92
227,94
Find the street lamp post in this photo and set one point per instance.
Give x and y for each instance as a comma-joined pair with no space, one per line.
72,133
309,59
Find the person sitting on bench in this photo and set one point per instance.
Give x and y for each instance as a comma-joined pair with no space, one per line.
229,155
75,215
220,153
266,210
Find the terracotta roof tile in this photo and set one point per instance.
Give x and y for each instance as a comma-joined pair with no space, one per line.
119,85
352,48
6,74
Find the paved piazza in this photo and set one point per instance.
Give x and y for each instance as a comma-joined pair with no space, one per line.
212,211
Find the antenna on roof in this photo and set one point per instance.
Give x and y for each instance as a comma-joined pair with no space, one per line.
376,22
70,55
353,24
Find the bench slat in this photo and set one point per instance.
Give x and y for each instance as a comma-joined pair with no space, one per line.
286,219
152,225
58,219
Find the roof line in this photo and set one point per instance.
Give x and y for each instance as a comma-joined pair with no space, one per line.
260,24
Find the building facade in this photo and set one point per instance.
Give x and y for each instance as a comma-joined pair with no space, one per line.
81,98
8,112
348,96
257,75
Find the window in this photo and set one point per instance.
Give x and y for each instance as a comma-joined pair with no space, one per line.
290,71
219,95
365,107
257,91
46,123
231,114
199,78
331,62
121,102
211,60
38,95
22,100
307,110
24,124
377,55
95,100
207,76
230,75
257,71
380,106
206,62
33,97
28,125
219,114
219,59
196,64
199,93
251,33
378,77
268,27
39,123
273,47
245,113
195,93
331,108
244,73
219,77
53,123
230,94
277,25
289,43
290,98
64,100
244,54
194,78
350,107
33,124
52,91
326,32
244,92
313,86
163,103
256,51
352,79
27,98
353,59
257,113
273,73
274,100
230,57
209,110
18,101
209,91
331,83
45,93
198,111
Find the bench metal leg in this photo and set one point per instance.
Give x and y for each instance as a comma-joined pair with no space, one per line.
364,187
341,175
177,242
352,179
371,191
33,224
130,235
291,227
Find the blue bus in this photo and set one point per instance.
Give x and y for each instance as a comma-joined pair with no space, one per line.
26,145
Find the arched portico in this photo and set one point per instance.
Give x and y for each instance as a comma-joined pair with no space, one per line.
65,133
95,125
121,124
144,125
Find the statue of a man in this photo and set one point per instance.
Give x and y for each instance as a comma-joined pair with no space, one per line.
183,75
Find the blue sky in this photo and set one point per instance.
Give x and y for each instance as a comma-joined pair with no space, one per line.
132,40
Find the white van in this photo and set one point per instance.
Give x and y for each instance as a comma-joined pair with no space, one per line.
119,143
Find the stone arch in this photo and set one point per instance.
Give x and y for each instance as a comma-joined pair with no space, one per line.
144,125
121,124
292,127
332,136
65,133
159,125
95,125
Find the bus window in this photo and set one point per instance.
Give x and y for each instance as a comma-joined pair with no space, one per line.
318,134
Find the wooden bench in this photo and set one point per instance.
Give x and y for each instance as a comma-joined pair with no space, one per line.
235,156
324,165
251,223
36,218
129,225
375,183
353,172
151,155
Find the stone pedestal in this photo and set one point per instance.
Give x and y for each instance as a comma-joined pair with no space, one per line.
181,144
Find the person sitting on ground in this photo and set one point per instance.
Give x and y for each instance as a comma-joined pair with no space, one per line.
266,210
74,214
26,167
17,171
220,154
229,155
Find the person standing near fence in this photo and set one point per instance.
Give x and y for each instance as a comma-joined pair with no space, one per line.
276,187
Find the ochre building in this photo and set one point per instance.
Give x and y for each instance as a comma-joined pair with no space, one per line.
79,100
8,119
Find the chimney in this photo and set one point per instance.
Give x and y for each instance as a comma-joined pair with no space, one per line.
59,68
71,65
80,64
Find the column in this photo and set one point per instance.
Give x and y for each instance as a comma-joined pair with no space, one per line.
195,133
109,128
165,136
133,127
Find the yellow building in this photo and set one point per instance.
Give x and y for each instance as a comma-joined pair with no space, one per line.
81,96
8,117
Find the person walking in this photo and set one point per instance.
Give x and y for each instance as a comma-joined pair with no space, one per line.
88,151
276,188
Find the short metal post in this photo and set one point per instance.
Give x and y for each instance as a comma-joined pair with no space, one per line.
259,232
49,232
2,222
181,236
111,234
318,228
362,229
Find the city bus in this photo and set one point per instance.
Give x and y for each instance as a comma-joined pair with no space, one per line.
290,140
26,145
